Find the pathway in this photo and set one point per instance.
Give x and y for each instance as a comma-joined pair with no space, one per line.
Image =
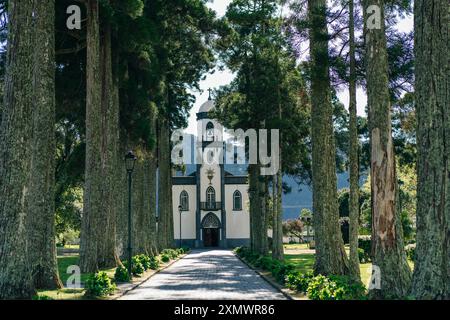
205,275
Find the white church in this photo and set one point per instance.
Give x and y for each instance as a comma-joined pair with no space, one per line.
211,201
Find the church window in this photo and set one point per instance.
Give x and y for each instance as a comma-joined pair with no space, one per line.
209,131
184,201
237,201
210,197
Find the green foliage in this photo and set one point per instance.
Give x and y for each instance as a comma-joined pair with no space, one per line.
278,269
365,244
69,236
172,253
165,258
68,215
185,249
154,263
411,251
145,261
298,281
121,274
136,266
335,288
99,285
363,256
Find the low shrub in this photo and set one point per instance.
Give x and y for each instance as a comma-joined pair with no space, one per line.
121,274
411,251
186,249
99,285
137,268
335,288
264,262
298,281
363,256
144,260
320,288
165,257
154,263
280,270
173,254
365,243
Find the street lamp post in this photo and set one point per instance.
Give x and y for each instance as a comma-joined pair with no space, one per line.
130,160
180,210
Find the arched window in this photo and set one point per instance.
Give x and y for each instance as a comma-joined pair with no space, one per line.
210,198
237,201
209,131
184,201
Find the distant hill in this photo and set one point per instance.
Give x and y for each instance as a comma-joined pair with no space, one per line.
300,196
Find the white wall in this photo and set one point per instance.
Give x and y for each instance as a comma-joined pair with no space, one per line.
204,182
238,222
187,217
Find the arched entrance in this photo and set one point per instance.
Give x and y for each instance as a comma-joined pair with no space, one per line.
210,230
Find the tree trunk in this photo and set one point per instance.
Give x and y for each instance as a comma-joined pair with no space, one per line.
152,245
41,200
138,198
253,199
262,232
107,255
15,152
277,241
431,279
387,240
330,254
353,153
165,224
93,184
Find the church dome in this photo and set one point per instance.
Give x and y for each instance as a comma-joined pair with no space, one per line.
207,106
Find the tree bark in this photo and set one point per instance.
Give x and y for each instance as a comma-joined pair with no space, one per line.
387,240
165,223
15,140
431,279
262,232
277,243
107,255
330,254
93,184
41,201
353,153
253,199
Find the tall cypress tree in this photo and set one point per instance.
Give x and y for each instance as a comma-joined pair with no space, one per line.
41,203
353,150
16,132
431,279
330,254
92,203
387,236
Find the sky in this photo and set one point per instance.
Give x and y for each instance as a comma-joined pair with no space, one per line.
220,78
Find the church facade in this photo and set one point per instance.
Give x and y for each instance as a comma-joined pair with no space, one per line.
210,205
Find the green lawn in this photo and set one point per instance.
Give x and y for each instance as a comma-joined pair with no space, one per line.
66,261
296,246
305,263
67,294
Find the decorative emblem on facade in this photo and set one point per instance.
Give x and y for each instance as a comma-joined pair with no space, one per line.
210,174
